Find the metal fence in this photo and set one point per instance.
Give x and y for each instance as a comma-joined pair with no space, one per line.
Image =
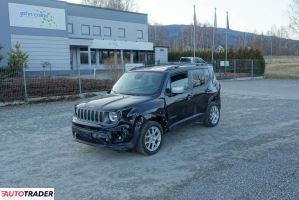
234,69
21,84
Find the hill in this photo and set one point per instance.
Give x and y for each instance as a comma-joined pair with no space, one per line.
180,37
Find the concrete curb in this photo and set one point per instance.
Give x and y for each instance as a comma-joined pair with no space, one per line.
52,99
245,79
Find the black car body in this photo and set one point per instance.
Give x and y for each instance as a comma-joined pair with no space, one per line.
146,103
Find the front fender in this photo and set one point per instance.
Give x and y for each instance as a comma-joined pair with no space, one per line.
149,111
215,98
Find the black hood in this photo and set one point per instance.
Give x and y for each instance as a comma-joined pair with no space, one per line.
113,102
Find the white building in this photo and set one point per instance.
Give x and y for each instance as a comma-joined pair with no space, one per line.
69,36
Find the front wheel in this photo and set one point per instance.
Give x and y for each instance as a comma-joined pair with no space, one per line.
212,115
150,139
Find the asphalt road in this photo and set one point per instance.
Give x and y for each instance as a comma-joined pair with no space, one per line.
252,154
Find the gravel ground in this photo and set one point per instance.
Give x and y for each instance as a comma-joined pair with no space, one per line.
252,154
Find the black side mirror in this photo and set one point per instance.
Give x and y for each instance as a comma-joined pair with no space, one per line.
168,92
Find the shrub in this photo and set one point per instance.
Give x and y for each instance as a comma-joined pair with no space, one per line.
17,59
113,71
13,89
1,56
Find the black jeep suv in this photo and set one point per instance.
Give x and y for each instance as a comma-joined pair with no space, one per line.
145,103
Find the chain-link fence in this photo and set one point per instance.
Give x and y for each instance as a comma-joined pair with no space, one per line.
11,84
21,85
16,84
233,69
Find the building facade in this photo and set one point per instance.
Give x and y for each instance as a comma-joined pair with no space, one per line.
71,36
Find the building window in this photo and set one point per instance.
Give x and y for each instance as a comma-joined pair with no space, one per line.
97,30
122,32
107,31
127,57
84,57
70,28
85,29
139,34
107,57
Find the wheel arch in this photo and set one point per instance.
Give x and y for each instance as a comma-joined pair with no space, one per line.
216,99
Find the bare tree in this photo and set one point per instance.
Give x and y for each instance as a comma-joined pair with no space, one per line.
157,35
124,5
294,16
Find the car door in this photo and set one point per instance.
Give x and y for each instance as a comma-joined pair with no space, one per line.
200,84
178,106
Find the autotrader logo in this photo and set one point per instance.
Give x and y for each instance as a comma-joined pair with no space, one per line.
27,193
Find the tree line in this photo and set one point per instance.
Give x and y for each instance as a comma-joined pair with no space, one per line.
274,42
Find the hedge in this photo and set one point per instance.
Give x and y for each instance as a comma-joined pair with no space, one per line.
13,88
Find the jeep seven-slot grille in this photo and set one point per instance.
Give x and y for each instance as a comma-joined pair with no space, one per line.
90,115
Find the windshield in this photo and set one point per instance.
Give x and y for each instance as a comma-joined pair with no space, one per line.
138,83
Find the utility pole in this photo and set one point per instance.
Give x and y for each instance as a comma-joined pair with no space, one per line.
194,33
226,35
271,48
214,29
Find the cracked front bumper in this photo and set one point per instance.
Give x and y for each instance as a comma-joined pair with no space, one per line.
117,138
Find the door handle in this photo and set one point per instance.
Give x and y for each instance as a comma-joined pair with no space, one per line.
208,90
189,97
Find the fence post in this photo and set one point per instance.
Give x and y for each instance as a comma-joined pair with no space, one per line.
79,79
94,73
25,84
235,68
252,69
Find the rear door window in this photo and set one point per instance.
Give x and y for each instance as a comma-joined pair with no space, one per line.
200,77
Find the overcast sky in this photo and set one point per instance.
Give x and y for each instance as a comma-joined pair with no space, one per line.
244,15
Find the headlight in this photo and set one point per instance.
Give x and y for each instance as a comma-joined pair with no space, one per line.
76,109
113,116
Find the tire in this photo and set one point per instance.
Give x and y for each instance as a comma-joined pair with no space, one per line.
147,140
212,115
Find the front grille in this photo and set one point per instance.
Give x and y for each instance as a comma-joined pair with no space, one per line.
90,115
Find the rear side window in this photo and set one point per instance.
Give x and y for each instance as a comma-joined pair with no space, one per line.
200,61
200,77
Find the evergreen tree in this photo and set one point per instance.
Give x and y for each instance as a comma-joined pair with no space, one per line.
1,56
17,59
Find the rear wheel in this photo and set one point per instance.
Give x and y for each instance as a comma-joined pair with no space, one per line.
212,115
150,139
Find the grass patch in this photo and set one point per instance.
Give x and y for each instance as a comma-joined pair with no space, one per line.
282,71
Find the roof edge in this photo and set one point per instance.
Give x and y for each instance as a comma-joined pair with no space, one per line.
89,6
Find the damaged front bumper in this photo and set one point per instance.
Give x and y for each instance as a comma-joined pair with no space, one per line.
121,137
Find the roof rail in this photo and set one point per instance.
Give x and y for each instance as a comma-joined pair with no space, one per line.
135,68
172,68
